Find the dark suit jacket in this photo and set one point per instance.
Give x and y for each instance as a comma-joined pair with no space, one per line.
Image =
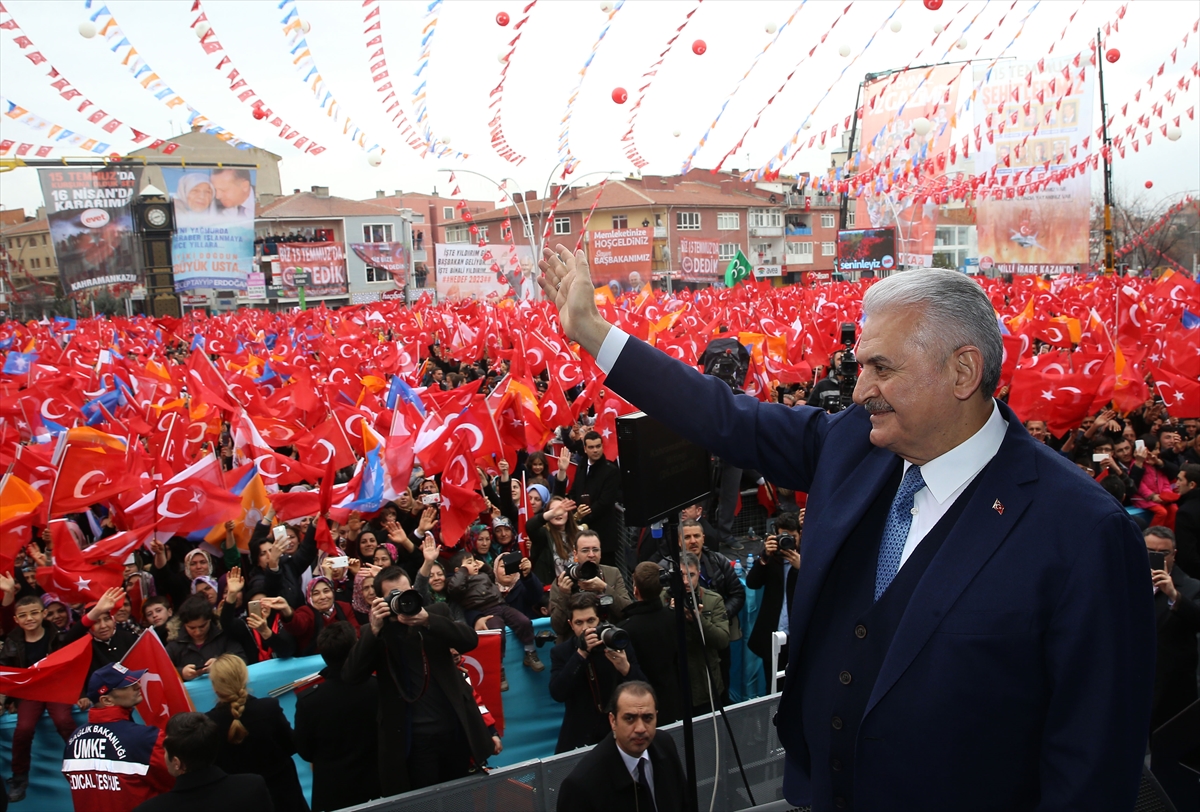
583,723
600,781
767,572
336,732
655,638
1187,533
1034,612
603,485
211,789
266,751
1175,671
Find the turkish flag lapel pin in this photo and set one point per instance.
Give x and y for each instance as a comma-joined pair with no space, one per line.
999,508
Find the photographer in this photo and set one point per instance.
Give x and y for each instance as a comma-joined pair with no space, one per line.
651,627
588,575
704,651
584,671
430,729
776,570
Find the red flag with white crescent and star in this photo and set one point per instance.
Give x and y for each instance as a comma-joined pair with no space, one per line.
70,576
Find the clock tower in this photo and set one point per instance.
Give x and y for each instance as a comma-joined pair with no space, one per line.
154,220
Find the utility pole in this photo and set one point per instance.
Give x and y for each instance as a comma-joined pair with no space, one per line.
1106,154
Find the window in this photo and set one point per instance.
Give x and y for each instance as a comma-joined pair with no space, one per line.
528,230
35,262
728,250
828,221
505,233
766,218
687,220
850,217
377,232
763,249
458,234
620,221
378,274
562,225
728,221
829,249
800,253
447,212
482,235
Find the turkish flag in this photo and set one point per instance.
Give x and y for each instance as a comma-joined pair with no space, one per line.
70,576
476,424
325,440
205,384
1061,401
57,677
277,469
114,549
1180,395
1131,312
483,667
460,509
460,466
556,412
1183,353
86,476
398,456
162,689
185,506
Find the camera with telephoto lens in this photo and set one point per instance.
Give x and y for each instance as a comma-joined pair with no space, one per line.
409,602
787,542
582,572
612,637
847,370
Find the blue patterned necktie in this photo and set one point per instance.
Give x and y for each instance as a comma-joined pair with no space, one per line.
895,532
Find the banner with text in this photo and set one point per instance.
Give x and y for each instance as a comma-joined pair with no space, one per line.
888,129
700,260
91,225
867,251
621,257
392,257
1043,231
324,262
214,226
465,271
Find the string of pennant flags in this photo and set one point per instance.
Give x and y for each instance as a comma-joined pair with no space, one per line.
306,64
244,93
499,143
430,144
631,151
565,157
151,81
381,76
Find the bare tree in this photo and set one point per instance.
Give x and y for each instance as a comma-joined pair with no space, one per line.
1147,234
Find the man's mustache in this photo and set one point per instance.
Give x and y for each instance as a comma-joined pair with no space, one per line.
877,406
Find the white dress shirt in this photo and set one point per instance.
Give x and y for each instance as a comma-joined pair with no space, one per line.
631,764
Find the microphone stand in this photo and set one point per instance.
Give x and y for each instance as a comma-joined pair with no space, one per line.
691,801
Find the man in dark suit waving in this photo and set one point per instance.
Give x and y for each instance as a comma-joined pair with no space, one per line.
973,625
634,768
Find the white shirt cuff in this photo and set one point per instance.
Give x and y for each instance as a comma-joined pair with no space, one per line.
610,350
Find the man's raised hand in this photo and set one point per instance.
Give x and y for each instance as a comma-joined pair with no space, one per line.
567,281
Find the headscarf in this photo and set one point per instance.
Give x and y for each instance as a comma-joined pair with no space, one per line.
192,554
207,580
49,598
542,491
356,596
186,184
313,585
391,548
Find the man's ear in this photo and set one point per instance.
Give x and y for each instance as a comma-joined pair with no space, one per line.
612,722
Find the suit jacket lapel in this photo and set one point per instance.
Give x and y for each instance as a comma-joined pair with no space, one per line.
1010,479
853,498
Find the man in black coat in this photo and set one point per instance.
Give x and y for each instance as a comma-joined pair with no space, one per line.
191,745
635,767
776,569
655,640
597,484
430,729
583,674
1177,614
1187,520
333,731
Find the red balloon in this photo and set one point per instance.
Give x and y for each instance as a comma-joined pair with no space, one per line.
933,5
259,113
502,18
1112,55
1149,184
699,47
619,95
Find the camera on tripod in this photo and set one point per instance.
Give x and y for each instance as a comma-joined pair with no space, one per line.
848,372
664,577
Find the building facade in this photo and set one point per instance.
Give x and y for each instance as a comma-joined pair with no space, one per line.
435,219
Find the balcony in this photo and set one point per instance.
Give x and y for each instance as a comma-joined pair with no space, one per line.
799,231
799,259
766,231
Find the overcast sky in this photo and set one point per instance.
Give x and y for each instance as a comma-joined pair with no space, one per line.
685,96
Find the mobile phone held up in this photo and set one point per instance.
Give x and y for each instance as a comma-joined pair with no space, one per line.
431,499
1158,559
255,608
280,533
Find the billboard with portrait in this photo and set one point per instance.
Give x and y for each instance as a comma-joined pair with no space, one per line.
466,271
91,225
867,249
1047,115
621,258
214,226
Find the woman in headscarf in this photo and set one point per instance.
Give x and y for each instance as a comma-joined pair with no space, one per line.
194,200
363,594
254,733
385,555
320,609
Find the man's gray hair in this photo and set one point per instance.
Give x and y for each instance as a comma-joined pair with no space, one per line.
1161,533
957,313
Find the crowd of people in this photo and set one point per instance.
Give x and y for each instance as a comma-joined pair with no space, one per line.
391,601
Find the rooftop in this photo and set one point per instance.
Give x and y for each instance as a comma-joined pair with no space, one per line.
28,227
318,204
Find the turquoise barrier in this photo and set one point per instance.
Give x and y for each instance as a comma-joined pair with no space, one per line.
532,719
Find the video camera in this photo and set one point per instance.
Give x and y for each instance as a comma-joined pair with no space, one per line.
409,602
848,371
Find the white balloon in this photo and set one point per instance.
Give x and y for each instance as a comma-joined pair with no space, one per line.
503,56
961,44
844,50
896,26
821,145
202,29
939,28
808,125
1174,133
922,126
305,26
446,140
374,159
772,28
606,7
87,29
675,133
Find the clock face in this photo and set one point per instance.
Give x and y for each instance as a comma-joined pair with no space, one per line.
156,217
